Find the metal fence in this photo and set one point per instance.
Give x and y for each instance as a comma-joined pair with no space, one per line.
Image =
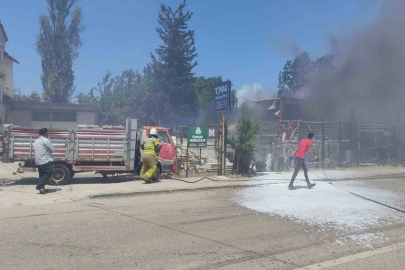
197,161
375,143
275,144
336,144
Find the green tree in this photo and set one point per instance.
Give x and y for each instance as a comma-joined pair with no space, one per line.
300,72
324,65
118,97
34,96
58,43
89,98
2,75
172,67
243,144
205,92
295,73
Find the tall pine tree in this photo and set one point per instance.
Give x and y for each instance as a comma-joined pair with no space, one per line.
57,44
173,64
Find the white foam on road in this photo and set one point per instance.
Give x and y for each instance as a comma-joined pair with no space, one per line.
324,206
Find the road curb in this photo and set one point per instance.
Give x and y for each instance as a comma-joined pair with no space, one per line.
168,191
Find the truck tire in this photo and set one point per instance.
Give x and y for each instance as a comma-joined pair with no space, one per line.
60,175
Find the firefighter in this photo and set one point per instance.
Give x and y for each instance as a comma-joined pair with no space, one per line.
151,147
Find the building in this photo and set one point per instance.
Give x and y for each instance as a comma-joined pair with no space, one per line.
52,115
6,84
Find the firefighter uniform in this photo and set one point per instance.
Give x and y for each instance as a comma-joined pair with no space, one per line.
151,147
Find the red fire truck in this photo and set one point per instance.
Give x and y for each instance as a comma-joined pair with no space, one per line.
107,150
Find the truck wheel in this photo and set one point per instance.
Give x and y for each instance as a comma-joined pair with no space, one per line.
60,175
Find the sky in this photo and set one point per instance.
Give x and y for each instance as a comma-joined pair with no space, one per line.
247,42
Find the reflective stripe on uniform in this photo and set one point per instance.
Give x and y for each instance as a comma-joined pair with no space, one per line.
149,145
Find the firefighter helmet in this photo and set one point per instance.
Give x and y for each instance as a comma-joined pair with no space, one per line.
153,131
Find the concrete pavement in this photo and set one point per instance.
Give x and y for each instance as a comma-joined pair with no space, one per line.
17,191
190,230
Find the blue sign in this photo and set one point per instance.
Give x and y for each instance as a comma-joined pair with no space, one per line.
223,96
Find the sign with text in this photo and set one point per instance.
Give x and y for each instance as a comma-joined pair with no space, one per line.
197,137
223,96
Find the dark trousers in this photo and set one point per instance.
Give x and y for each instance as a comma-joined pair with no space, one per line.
299,163
45,172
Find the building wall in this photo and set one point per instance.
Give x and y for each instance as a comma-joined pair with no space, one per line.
87,118
2,43
22,118
7,85
54,125
2,48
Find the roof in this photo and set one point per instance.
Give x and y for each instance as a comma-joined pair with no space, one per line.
273,99
12,58
48,106
267,99
4,31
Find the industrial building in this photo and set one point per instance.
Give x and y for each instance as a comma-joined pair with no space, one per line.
52,115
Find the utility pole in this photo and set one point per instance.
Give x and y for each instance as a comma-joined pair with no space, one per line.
220,145
398,118
323,145
277,150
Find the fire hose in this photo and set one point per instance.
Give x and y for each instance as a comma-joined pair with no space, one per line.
14,172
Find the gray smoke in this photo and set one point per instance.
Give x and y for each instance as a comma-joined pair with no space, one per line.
247,94
251,92
288,46
370,73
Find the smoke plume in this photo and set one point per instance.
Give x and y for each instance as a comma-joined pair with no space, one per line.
251,92
370,73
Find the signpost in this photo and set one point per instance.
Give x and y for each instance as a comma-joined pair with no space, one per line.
223,96
222,104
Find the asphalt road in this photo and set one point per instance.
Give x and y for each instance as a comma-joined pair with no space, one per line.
188,230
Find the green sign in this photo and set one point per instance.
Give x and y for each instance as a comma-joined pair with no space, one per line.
197,137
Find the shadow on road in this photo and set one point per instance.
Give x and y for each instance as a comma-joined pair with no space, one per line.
52,190
300,187
77,180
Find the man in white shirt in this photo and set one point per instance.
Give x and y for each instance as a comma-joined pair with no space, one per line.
43,159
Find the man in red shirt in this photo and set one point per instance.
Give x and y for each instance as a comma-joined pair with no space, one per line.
303,147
